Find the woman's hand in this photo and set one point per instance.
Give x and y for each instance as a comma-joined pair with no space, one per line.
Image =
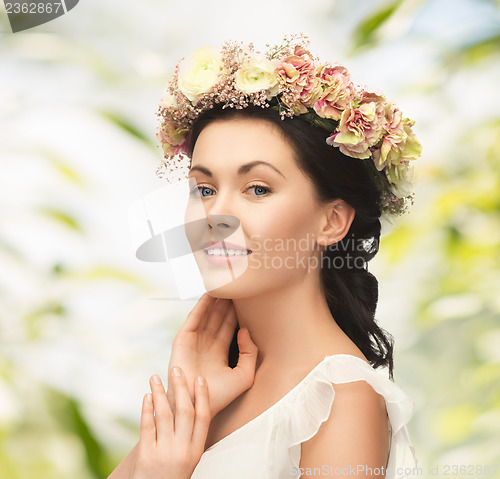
201,348
171,445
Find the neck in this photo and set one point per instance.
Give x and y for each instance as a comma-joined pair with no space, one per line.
287,323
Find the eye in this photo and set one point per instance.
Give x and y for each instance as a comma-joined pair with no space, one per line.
203,191
199,190
260,190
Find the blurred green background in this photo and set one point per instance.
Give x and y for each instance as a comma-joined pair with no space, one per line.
80,328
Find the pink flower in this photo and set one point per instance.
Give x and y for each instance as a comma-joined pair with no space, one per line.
360,126
337,91
400,144
172,138
298,72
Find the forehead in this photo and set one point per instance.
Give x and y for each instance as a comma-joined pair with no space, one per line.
237,140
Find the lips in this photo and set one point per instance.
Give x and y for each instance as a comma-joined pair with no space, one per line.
224,245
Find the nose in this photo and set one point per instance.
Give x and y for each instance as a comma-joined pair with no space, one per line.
221,223
223,226
218,211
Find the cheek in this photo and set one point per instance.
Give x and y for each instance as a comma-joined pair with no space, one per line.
288,217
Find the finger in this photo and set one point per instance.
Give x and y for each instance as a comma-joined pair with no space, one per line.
148,427
170,396
216,316
184,408
226,331
247,357
164,417
217,304
197,314
202,416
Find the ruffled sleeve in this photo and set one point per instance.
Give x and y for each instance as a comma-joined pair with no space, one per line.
299,418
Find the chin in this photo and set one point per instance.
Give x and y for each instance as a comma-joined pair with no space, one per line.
235,289
222,280
238,281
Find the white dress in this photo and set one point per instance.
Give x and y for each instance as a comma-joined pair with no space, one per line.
269,446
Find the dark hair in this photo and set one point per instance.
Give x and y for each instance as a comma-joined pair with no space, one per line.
350,290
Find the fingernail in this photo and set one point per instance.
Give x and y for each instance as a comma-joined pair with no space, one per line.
156,379
176,371
149,397
201,381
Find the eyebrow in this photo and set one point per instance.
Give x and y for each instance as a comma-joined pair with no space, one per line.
241,170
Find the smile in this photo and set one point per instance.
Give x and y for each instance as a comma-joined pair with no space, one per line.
226,252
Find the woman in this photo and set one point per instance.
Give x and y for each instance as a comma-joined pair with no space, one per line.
272,375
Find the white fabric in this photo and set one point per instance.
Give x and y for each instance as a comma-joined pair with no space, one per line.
268,447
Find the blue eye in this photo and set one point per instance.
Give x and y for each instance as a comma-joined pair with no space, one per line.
260,188
205,189
199,191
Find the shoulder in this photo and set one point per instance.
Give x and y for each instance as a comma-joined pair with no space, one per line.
355,434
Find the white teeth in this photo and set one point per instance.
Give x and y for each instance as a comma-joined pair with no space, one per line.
224,252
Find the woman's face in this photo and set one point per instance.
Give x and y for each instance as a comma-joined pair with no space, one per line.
243,169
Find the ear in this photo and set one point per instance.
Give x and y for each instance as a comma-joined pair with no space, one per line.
336,221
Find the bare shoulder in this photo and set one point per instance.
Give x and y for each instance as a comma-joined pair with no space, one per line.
358,397
354,435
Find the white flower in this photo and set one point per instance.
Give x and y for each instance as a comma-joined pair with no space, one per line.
387,222
200,73
168,100
257,73
402,178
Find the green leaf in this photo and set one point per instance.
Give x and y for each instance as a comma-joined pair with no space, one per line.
93,448
61,217
69,413
123,123
60,165
476,52
101,272
6,247
365,32
34,321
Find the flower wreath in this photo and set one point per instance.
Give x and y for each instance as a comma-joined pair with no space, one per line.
362,123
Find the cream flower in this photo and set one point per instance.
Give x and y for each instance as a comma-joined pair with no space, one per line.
200,73
257,73
402,179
